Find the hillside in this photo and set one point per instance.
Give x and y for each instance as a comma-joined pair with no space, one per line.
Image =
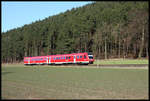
107,29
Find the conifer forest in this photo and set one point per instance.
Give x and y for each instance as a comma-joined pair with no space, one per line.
106,29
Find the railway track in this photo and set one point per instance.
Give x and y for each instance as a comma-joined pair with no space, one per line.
105,65
119,65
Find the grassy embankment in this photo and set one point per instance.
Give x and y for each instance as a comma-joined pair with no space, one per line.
54,82
122,61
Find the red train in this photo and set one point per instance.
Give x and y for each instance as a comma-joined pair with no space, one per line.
74,58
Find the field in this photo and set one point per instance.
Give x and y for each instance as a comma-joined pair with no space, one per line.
122,61
60,82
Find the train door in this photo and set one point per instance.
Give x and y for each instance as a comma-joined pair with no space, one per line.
28,60
74,59
49,60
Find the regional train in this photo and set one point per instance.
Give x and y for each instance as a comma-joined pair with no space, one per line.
74,58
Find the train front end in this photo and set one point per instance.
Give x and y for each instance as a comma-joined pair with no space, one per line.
91,59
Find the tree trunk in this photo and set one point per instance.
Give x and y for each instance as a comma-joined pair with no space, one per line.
26,49
147,55
126,49
99,51
142,43
105,49
119,49
85,46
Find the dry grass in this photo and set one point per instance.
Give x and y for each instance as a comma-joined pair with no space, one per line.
122,61
54,82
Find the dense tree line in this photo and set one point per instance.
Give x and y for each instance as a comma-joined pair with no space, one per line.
107,29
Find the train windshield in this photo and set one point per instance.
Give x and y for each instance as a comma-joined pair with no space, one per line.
90,56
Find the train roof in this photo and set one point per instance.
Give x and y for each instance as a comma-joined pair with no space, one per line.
68,54
35,56
56,55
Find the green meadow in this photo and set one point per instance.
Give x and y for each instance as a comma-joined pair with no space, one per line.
122,61
72,82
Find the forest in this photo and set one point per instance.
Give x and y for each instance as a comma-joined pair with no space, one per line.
106,29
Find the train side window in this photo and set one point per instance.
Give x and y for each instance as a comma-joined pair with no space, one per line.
64,57
84,56
80,56
69,57
77,57
54,58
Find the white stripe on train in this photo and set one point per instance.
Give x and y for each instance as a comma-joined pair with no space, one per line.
59,62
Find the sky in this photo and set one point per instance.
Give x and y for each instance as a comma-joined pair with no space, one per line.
17,14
